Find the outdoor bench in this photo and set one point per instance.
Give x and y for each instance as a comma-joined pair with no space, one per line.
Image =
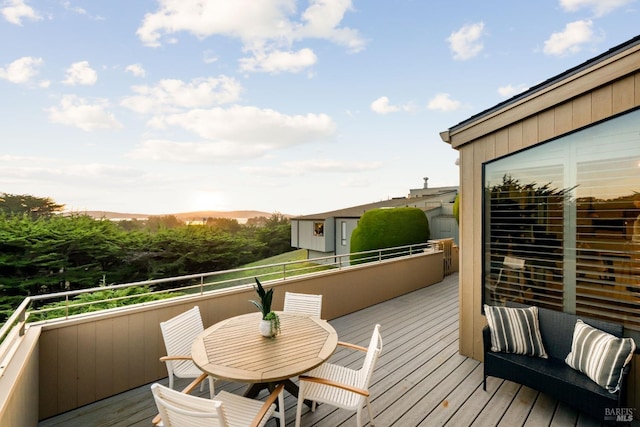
552,375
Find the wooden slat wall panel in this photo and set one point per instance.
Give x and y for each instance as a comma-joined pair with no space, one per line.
48,366
514,135
467,210
151,341
104,381
530,131
66,394
137,354
563,119
601,101
119,339
87,364
581,111
623,92
546,125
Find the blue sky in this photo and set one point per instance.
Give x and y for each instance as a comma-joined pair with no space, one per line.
296,107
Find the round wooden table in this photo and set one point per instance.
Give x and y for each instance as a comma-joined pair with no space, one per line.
234,350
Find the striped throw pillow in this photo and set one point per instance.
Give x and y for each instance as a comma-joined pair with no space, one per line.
599,355
515,330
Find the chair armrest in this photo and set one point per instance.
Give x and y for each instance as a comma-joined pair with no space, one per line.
334,384
167,358
188,389
267,403
353,346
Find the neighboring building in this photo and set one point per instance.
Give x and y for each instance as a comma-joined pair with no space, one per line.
547,182
329,233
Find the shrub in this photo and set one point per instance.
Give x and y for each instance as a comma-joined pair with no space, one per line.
386,228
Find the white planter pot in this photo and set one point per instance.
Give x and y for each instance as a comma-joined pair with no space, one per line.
265,328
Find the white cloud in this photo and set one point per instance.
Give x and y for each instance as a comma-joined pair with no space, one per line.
15,11
209,57
300,167
263,128
194,152
467,41
597,7
382,106
510,90
322,19
570,40
279,61
330,165
170,94
80,73
22,70
443,102
236,132
75,9
136,69
77,112
267,29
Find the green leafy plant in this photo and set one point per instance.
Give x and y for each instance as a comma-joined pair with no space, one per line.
264,305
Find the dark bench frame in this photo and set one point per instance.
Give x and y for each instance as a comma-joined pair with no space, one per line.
553,376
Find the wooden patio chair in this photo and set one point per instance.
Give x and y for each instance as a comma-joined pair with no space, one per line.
303,303
340,386
180,409
179,333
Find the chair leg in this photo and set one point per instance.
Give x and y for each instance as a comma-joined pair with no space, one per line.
300,404
212,389
280,410
370,412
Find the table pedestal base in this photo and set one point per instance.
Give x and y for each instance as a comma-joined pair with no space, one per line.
254,389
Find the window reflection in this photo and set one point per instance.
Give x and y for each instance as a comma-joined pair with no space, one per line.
559,222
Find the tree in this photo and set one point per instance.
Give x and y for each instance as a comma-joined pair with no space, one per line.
275,235
21,204
387,228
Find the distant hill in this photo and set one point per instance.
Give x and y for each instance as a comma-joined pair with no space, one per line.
184,216
198,215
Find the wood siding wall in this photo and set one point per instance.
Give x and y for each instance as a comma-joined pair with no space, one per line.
84,360
593,95
19,383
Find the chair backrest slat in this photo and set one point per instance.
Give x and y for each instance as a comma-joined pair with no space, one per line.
180,331
303,303
178,409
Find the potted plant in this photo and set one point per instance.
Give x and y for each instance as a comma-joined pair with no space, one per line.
270,323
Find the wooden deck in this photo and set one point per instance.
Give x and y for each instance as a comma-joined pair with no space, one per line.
420,379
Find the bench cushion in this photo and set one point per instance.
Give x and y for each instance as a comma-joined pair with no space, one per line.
599,355
515,330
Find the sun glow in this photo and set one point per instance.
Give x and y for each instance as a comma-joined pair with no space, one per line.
207,200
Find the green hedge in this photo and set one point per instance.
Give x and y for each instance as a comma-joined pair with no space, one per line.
386,228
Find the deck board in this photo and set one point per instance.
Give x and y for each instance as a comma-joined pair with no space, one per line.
420,378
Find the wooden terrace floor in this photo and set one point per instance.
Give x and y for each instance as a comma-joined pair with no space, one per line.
420,379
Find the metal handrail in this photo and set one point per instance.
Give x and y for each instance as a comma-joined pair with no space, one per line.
21,314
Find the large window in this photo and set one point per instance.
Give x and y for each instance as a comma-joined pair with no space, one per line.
559,223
